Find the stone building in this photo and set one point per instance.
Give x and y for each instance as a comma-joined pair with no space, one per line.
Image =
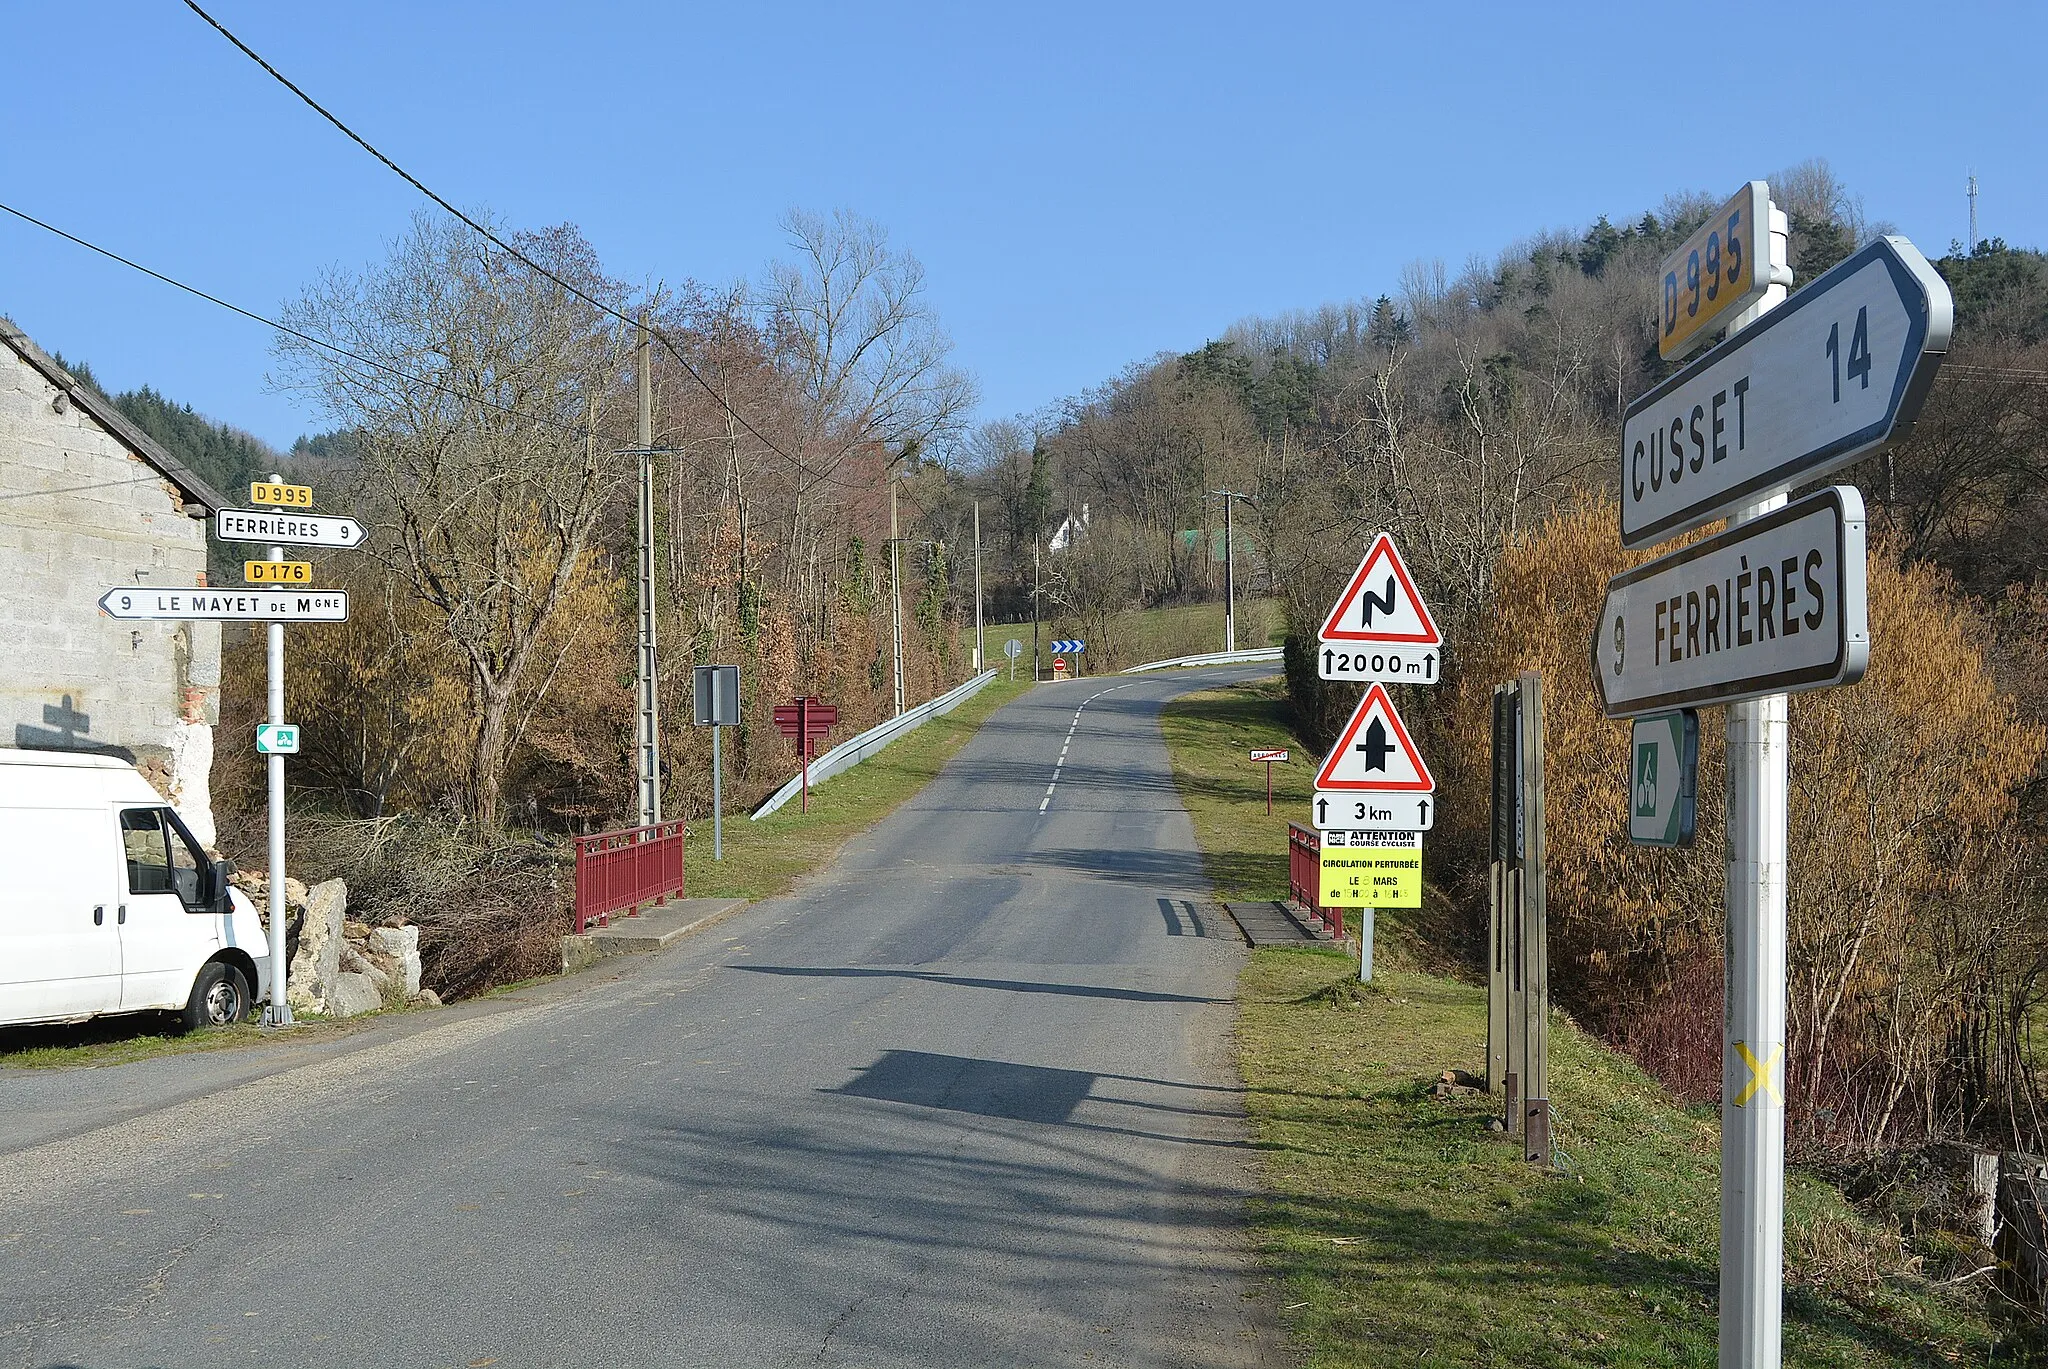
88,502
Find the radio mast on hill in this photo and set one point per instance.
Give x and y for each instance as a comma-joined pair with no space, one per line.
1973,211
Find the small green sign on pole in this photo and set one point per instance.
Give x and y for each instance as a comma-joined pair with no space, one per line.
278,739
1664,767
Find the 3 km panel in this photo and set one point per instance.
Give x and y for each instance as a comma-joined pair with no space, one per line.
1834,373
1773,606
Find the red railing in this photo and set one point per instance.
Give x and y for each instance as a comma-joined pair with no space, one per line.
625,869
1305,876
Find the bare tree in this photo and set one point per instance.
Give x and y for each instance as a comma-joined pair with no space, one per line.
484,405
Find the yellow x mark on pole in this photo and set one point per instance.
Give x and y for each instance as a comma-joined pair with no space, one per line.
1762,1075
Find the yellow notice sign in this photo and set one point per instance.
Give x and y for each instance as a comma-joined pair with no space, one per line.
278,572
284,496
1385,874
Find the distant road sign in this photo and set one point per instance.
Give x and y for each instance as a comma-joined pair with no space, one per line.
289,496
246,605
1717,274
1013,648
278,572
1068,648
278,739
1379,628
1829,376
1267,753
1664,761
715,695
303,529
1773,606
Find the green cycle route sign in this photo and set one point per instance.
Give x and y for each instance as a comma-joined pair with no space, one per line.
1664,765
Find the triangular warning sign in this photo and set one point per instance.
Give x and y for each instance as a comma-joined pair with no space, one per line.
1375,753
1381,603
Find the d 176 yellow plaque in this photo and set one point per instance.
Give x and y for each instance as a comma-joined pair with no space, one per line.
278,572
285,496
1373,876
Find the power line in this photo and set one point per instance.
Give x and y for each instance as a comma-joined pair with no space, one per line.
289,331
506,247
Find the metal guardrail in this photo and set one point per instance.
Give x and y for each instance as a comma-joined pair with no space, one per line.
857,749
626,868
1269,653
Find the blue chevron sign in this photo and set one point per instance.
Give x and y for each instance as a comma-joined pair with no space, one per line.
1068,648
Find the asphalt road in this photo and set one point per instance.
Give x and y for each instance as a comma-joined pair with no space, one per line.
967,1097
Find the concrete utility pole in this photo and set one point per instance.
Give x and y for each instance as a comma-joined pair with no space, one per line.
649,741
1753,1106
895,598
279,1013
1034,608
978,656
1229,498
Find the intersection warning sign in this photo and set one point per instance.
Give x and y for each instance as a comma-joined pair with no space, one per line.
1375,753
1379,628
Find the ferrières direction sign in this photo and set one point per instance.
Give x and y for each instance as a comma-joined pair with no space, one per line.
1773,606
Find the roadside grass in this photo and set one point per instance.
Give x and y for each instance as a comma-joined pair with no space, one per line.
761,859
1404,1231
768,857
1209,737
1141,635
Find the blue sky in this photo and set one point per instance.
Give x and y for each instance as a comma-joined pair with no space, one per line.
1086,184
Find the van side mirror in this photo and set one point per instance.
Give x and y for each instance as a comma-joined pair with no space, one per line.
214,890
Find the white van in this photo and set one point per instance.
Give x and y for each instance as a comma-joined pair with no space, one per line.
108,905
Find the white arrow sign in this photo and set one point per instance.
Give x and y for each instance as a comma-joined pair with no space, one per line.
240,605
1827,377
296,529
1773,606
1347,810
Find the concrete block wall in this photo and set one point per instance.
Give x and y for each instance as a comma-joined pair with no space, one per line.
80,514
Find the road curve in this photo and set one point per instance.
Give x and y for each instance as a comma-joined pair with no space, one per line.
967,1097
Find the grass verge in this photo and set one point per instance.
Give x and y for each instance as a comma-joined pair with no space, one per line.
1404,1231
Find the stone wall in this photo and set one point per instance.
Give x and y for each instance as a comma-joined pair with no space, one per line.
82,512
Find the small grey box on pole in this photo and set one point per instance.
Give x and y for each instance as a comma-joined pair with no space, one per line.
715,696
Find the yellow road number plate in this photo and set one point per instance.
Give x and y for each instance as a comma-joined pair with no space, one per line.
278,572
1716,274
285,496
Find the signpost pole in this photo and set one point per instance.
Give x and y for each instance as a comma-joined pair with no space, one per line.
279,1013
803,746
1269,789
717,799
1753,1022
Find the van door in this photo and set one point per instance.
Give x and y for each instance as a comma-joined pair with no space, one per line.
164,940
60,945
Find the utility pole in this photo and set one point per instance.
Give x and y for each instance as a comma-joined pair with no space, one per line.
1973,211
1034,607
978,656
279,1013
895,596
649,740
1229,498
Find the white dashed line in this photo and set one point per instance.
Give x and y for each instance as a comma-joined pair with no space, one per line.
1061,762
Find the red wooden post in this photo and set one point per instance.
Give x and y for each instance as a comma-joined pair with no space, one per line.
803,746
1269,789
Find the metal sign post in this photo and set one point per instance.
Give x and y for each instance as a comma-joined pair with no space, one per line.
1270,756
1013,649
279,1012
715,696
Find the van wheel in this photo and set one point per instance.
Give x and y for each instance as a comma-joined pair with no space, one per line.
220,996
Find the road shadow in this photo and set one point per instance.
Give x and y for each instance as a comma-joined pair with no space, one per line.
970,982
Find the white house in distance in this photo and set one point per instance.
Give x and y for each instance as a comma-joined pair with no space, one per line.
88,502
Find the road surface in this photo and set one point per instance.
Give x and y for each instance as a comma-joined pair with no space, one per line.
967,1097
